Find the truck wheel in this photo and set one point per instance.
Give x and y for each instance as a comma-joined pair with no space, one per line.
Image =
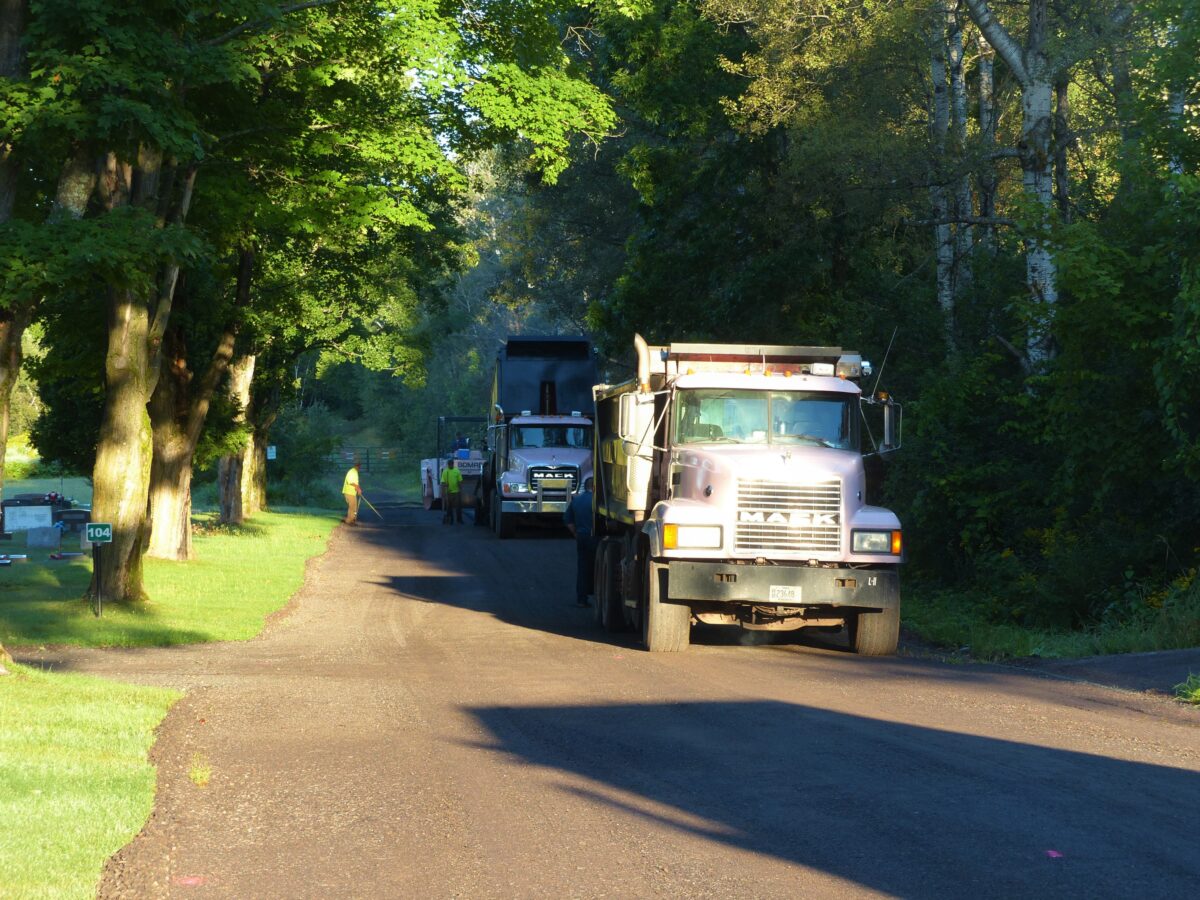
874,634
608,607
601,588
666,627
501,524
482,513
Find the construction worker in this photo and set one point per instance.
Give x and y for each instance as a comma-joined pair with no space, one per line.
351,491
451,479
578,516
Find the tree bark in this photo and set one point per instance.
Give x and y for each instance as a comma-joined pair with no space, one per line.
1031,67
963,202
170,505
13,323
232,469
121,478
988,182
939,195
138,322
178,410
264,411
1062,143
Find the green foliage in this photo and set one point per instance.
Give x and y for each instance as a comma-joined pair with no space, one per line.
304,439
1189,690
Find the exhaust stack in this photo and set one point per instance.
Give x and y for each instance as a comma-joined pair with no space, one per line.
643,363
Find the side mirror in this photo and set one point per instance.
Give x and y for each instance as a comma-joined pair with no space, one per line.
891,425
893,419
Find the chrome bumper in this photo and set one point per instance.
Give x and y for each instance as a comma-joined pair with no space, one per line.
723,582
534,506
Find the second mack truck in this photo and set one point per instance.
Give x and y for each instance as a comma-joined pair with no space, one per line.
730,489
540,438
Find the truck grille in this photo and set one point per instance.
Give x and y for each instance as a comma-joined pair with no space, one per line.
536,475
778,515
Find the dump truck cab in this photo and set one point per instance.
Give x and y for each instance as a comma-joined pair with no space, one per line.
540,436
731,490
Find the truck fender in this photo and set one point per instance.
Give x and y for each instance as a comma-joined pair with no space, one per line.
650,528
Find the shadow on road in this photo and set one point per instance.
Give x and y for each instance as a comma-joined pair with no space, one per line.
526,581
906,810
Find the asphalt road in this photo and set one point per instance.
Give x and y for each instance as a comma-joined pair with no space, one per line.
434,718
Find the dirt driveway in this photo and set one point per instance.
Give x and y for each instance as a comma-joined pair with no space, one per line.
434,718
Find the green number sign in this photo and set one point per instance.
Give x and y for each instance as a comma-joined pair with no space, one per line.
99,532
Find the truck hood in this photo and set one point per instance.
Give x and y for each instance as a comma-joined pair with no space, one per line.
721,466
551,456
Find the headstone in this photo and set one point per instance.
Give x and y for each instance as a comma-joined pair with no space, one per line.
23,518
43,538
84,544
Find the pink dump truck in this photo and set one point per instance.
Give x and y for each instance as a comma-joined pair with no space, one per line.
730,489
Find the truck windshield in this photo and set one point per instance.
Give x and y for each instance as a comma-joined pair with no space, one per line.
813,418
525,436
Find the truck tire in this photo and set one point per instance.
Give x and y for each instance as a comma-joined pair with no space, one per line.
601,589
608,605
874,634
503,525
666,627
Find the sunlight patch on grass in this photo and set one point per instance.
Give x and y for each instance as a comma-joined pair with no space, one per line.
75,781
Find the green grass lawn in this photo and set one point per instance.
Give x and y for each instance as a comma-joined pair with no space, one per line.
75,783
238,578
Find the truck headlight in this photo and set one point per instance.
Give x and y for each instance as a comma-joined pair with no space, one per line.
691,537
876,542
514,487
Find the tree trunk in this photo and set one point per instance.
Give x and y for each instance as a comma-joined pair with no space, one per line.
137,325
232,469
13,322
256,478
171,495
170,503
1041,270
1062,143
121,478
939,195
1031,67
963,202
263,412
178,410
12,327
987,139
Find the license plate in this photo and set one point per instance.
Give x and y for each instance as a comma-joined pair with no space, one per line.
784,593
555,484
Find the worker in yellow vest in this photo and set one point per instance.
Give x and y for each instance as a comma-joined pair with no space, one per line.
451,480
351,492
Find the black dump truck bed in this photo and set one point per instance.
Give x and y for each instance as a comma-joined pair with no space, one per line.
544,375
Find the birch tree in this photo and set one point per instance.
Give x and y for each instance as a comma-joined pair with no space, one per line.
1035,72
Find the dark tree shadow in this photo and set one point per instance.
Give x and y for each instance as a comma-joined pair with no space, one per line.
906,810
